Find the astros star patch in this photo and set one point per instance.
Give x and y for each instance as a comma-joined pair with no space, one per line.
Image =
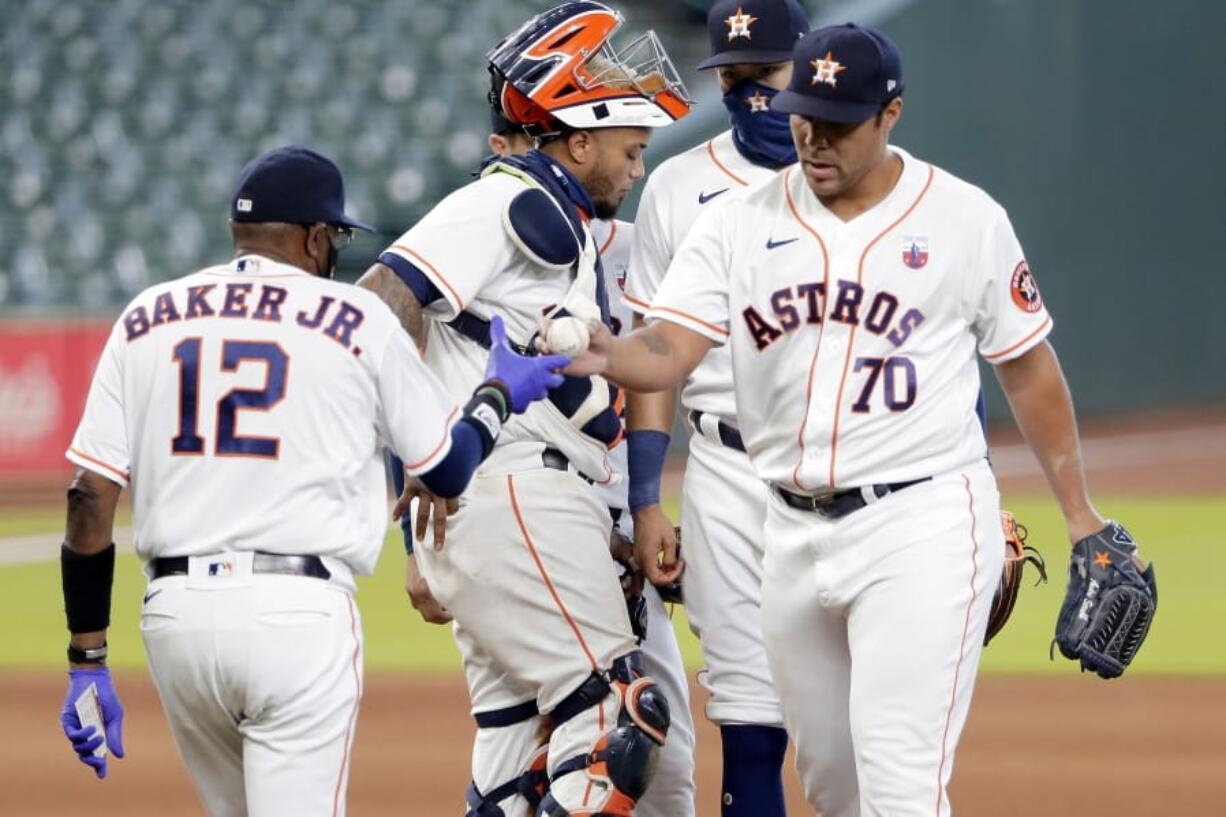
758,103
1025,290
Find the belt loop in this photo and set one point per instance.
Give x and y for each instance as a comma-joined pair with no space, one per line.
709,426
869,493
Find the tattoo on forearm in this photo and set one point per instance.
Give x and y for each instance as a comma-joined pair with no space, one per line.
380,280
655,344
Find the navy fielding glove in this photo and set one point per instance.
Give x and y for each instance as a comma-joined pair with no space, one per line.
1109,604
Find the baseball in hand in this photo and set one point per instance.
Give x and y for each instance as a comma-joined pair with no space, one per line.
567,336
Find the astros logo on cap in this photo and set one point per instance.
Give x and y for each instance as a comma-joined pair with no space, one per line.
826,69
738,25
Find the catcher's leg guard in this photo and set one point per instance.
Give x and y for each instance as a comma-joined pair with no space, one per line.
532,785
623,760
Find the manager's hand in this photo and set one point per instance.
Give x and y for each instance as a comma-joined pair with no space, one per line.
85,739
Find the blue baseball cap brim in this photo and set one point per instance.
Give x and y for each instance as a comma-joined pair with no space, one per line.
354,223
844,112
744,57
333,218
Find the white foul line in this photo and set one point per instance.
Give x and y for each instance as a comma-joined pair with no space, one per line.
43,547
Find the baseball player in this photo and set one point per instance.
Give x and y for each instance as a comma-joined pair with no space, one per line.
247,406
853,291
553,670
672,791
723,501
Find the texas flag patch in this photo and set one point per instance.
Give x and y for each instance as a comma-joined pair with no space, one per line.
915,251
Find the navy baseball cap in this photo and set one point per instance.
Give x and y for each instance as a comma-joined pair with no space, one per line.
753,31
292,185
843,73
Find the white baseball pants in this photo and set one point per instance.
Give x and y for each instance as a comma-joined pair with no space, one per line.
260,678
874,626
723,511
527,575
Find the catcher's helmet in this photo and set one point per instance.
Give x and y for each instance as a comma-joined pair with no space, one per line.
560,70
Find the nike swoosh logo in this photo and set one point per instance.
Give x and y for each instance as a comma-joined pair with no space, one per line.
150,595
703,198
772,244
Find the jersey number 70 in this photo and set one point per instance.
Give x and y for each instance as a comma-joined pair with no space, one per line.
897,375
233,354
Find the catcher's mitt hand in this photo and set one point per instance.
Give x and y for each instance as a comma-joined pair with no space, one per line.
1109,604
632,581
1017,555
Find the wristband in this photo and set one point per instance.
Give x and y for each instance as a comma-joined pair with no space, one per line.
486,412
498,392
646,450
89,655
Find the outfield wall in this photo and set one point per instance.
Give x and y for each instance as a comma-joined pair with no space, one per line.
45,371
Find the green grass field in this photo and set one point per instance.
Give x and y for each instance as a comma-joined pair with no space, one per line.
1181,535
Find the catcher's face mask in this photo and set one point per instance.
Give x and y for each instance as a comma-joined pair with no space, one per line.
561,67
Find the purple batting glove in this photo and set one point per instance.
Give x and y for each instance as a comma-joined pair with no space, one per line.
84,740
525,378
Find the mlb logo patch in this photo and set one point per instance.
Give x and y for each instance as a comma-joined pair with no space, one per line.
915,251
620,274
243,205
223,568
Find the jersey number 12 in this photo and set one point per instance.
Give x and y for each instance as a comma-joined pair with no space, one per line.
233,354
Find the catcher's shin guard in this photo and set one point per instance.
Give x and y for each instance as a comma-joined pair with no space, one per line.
531,785
623,760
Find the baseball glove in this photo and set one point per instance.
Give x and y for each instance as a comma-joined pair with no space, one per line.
632,582
1109,604
1017,555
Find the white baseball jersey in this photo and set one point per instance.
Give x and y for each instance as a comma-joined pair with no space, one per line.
248,405
614,239
853,343
672,791
677,192
484,277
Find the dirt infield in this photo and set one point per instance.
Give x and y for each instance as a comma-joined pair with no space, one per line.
1083,747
